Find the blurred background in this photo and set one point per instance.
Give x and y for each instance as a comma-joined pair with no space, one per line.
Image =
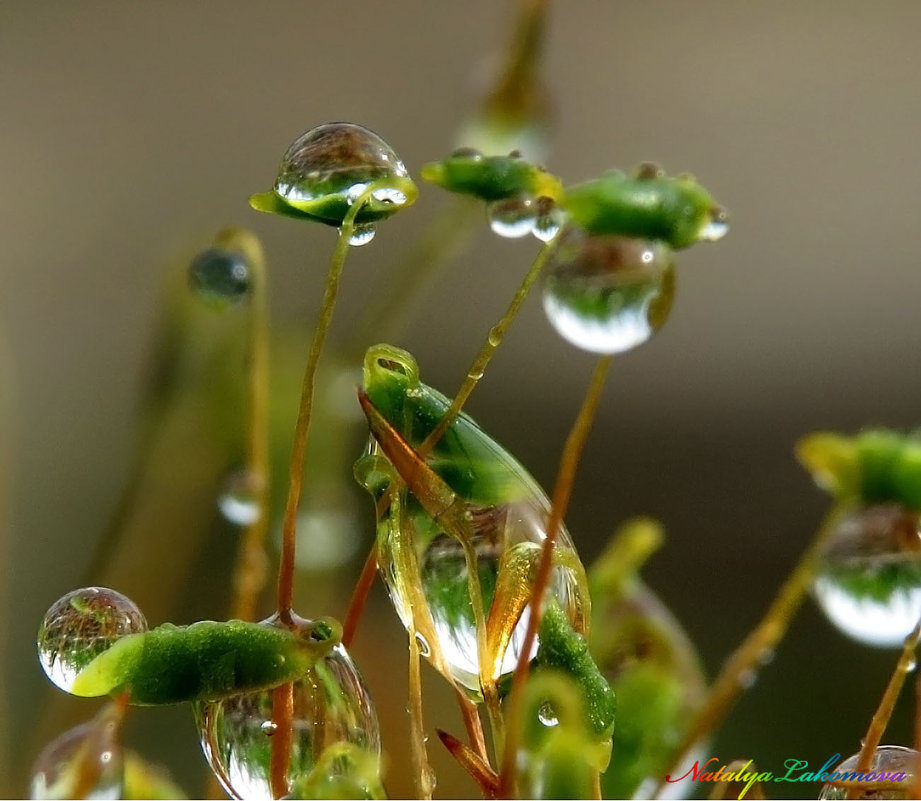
130,133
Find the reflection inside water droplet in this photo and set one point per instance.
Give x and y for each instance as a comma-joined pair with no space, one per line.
512,218
546,715
80,626
424,648
239,500
361,235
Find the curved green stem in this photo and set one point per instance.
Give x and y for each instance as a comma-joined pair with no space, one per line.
562,491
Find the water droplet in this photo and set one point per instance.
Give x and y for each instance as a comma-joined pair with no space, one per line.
549,219
507,543
868,580
424,648
495,336
239,501
85,762
361,235
608,294
911,665
546,715
747,679
80,626
475,374
220,277
331,706
327,168
512,217
717,227
890,759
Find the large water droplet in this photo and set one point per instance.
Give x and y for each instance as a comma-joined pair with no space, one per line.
331,707
85,762
220,277
239,500
80,626
330,166
717,227
512,218
549,219
506,540
889,759
608,294
868,580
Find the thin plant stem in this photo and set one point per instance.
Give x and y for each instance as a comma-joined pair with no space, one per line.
478,368
569,462
302,428
249,578
916,784
883,712
740,668
472,724
283,696
359,597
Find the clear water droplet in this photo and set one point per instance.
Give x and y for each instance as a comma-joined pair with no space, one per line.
911,665
506,540
495,336
512,218
327,168
868,580
475,374
361,235
268,727
239,500
717,227
891,759
84,762
80,626
546,715
424,648
331,706
220,277
747,679
608,294
549,219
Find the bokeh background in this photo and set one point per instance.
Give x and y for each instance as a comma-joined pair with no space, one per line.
130,133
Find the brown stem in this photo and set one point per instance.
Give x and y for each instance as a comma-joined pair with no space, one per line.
562,491
883,712
473,763
472,724
282,739
359,597
760,642
301,430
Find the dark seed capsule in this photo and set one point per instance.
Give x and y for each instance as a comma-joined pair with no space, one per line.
220,277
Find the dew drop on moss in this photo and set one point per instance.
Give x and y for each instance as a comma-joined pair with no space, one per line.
80,626
868,579
220,277
608,294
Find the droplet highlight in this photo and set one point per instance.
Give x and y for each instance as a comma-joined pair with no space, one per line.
239,499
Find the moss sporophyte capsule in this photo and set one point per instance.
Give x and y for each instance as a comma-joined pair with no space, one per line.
469,501
329,168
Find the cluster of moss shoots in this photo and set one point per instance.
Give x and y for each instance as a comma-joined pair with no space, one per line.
481,570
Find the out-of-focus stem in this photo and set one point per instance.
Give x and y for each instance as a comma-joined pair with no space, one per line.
572,451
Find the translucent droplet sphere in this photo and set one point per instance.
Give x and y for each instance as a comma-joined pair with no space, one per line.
361,235
239,499
330,166
85,762
512,218
507,541
220,277
891,775
80,626
331,707
549,219
608,294
868,579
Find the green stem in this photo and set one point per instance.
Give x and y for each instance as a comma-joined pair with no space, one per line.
493,340
562,491
301,430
